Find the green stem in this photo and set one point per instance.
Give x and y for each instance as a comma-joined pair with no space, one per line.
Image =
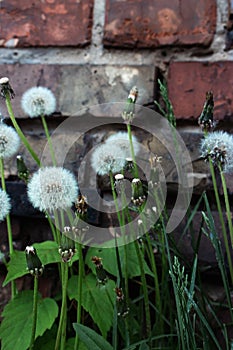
45,126
61,333
224,232
132,150
19,131
9,228
80,281
227,204
35,298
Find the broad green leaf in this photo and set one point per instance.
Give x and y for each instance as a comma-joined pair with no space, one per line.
15,330
91,339
70,345
47,340
47,252
97,300
110,262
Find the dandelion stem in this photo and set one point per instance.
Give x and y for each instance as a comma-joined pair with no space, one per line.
227,204
8,223
34,320
45,126
19,131
132,150
80,281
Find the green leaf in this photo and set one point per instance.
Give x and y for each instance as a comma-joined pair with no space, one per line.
91,339
110,262
47,252
15,330
47,340
97,300
70,345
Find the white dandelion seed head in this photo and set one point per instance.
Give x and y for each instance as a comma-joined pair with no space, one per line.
218,146
121,139
5,205
108,158
9,141
52,188
38,101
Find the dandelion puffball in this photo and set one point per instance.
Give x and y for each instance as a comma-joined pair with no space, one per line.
52,188
121,139
218,146
38,101
5,205
9,141
108,158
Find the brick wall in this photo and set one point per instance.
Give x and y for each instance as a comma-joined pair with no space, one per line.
93,51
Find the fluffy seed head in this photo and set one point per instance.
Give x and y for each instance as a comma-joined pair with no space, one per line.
218,146
121,139
108,158
5,205
38,101
9,141
52,188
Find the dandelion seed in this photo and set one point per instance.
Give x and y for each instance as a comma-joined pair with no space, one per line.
218,146
52,188
5,205
106,159
38,101
9,141
121,139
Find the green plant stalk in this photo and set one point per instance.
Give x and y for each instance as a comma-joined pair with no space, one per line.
221,218
9,228
19,131
34,320
62,325
132,150
80,281
45,126
227,204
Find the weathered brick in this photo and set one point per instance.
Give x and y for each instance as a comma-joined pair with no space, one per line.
45,23
189,81
151,23
79,87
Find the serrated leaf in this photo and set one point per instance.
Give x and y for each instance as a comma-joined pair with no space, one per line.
97,300
110,262
91,339
15,330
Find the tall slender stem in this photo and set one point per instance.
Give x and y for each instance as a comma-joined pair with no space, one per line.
80,281
227,204
35,299
19,131
132,150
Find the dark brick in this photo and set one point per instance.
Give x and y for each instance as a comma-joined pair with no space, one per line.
189,81
151,23
45,23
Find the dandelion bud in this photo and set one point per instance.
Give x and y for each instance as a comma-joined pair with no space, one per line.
81,205
34,265
122,307
119,183
67,247
128,114
23,172
5,88
100,272
138,197
206,119
129,164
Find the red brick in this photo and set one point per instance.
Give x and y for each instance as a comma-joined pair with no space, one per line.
152,23
189,81
45,23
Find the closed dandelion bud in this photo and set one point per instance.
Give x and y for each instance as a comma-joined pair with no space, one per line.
122,307
129,165
206,119
138,197
67,247
100,272
119,183
5,88
128,113
23,172
81,205
34,265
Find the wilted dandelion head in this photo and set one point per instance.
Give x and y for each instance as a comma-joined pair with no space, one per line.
9,141
52,188
121,139
5,205
218,146
38,101
108,158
